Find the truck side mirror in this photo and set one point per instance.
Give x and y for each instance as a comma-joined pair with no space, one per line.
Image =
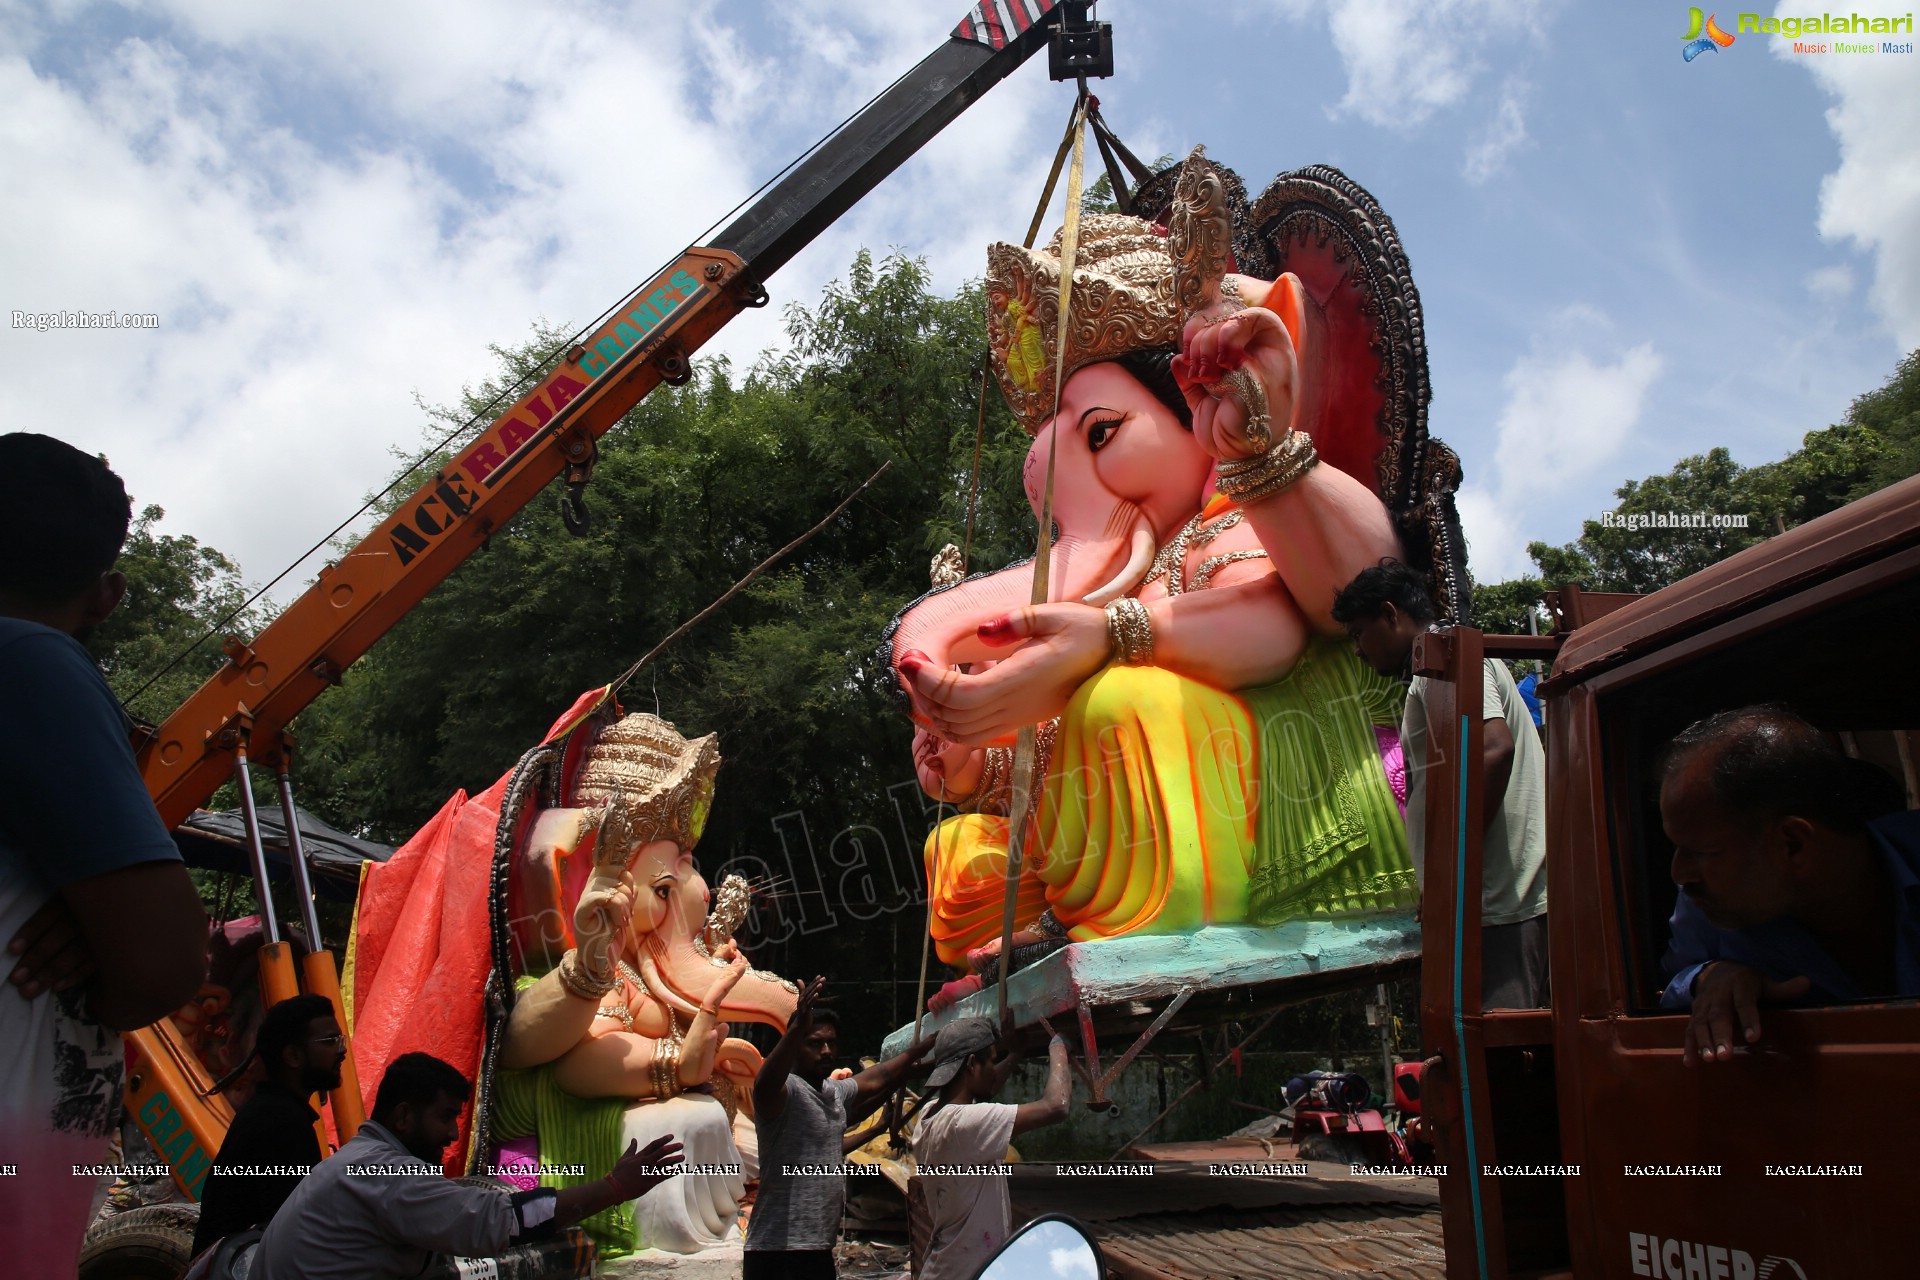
1050,1245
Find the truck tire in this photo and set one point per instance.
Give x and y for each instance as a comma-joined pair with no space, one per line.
153,1242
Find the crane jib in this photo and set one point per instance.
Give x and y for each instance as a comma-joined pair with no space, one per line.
644,321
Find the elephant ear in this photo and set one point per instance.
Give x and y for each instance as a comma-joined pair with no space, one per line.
1330,233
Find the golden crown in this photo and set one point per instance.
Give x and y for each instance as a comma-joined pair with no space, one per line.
1123,301
653,783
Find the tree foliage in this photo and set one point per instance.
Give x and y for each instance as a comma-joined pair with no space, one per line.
177,591
1098,195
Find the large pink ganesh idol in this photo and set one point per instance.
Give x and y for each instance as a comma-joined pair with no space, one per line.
1228,449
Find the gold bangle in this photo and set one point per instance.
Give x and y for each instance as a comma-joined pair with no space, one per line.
580,983
1131,629
1263,475
666,1069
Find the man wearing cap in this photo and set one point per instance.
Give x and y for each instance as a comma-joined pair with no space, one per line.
970,1213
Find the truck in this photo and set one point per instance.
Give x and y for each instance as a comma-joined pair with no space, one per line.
1756,1167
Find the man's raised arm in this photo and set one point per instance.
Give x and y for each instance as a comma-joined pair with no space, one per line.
872,1086
770,1086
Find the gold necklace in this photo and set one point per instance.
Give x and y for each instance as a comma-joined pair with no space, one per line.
1172,560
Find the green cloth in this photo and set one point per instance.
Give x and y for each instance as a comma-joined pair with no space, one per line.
1328,836
572,1131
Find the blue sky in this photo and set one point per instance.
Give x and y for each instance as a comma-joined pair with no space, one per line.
1624,258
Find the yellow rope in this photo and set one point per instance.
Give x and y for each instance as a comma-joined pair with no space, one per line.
1072,142
1024,750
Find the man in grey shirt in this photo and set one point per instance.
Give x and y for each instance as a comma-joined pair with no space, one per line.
801,1116
1384,610
379,1207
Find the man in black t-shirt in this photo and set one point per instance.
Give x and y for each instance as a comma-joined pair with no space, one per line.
271,1143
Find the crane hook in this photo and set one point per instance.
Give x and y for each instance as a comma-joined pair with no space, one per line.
573,503
573,509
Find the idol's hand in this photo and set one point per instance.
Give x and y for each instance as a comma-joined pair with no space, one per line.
1065,644
1223,350
946,770
600,917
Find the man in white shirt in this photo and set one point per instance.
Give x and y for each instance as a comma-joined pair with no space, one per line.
1384,610
964,1131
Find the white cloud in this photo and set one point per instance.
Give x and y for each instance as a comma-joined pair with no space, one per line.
1831,284
1873,198
1406,59
1070,1264
1496,547
1507,130
331,222
1567,413
1572,404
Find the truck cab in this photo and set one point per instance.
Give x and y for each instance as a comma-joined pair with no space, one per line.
1576,1140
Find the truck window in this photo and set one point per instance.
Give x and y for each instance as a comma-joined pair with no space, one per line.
1846,670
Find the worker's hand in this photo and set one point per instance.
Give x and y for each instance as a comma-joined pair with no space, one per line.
640,1170
52,954
800,1026
1726,998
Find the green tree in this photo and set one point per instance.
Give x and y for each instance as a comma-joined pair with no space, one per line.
1098,194
1892,414
177,590
1501,608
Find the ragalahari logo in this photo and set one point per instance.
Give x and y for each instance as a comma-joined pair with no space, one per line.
1703,35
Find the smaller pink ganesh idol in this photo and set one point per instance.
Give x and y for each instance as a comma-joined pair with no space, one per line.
625,1038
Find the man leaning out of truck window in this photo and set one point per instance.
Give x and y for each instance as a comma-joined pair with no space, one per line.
105,931
1799,875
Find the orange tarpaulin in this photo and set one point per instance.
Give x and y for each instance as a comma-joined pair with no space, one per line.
420,949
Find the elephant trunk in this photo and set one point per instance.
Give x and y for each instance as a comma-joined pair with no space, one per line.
1092,569
677,973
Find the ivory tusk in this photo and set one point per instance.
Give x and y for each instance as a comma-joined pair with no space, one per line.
1138,562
